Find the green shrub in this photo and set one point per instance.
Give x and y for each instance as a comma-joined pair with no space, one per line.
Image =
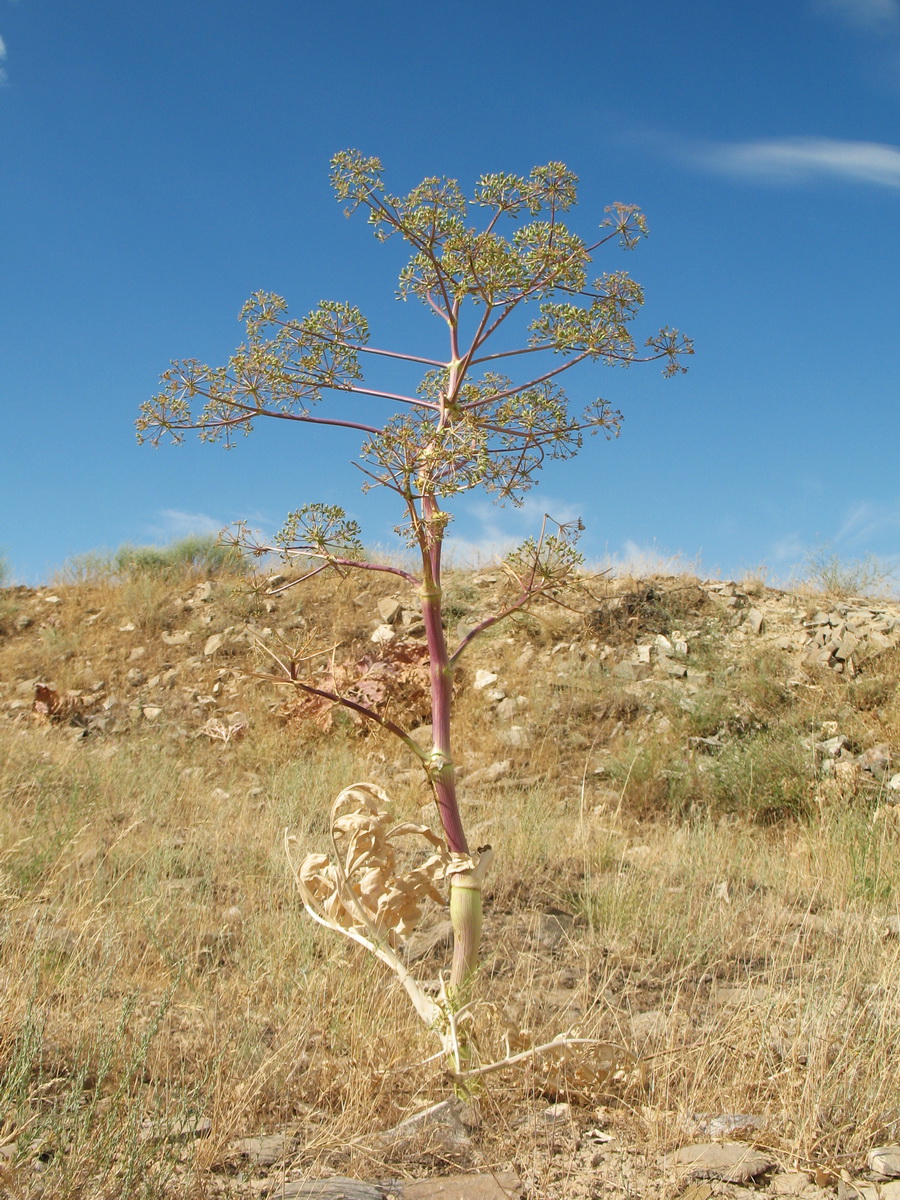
200,556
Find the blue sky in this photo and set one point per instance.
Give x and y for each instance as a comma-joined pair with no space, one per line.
160,160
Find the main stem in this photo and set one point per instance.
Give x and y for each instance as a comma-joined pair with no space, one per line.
465,886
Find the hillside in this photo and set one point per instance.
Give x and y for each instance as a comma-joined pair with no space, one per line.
693,790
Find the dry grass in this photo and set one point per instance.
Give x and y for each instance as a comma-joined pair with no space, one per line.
723,914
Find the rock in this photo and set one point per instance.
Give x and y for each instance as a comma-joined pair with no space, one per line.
438,1130
517,737
178,637
135,677
168,678
128,627
724,1125
339,1187
858,1191
150,712
652,1024
23,621
675,670
791,1183
382,635
884,1160
833,746
179,1131
499,1185
423,735
390,610
484,679
891,1191
849,645
731,1161
876,761
137,653
489,774
507,708
552,928
267,1149
213,644
423,941
755,620
893,784
632,671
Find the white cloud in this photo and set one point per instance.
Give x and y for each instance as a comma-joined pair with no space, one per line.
489,532
874,15
789,549
796,159
867,520
174,524
648,559
3,75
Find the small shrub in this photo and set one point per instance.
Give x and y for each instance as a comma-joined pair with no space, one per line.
827,572
199,556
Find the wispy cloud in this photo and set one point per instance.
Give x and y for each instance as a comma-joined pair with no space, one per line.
172,524
641,560
488,533
793,160
3,75
876,16
866,521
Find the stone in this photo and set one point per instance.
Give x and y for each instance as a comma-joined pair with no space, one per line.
135,677
267,1149
632,671
390,610
137,653
490,774
339,1187
858,1191
213,644
724,1125
849,645
517,737
423,942
675,670
484,679
553,928
876,761
756,620
178,637
791,1183
507,708
833,746
891,1191
423,736
150,712
732,1162
437,1130
884,1160
499,1185
383,634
